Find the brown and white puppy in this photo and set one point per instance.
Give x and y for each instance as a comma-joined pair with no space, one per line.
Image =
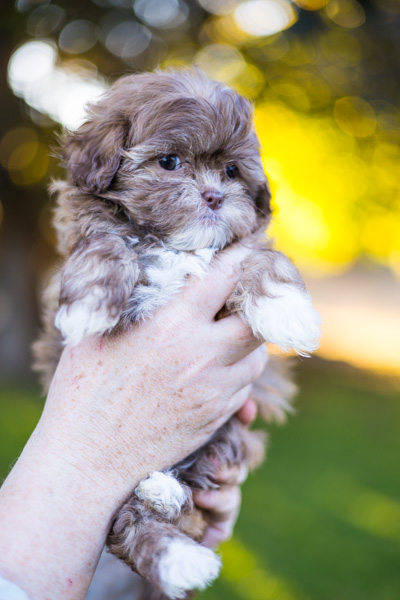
164,174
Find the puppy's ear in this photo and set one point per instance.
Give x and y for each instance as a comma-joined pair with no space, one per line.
263,202
92,154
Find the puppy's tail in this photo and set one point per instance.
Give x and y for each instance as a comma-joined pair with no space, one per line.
274,389
149,592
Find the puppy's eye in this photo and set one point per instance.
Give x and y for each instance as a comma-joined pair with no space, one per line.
169,162
232,171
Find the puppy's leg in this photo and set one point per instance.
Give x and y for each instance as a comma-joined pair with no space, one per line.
274,389
272,298
159,552
96,282
232,448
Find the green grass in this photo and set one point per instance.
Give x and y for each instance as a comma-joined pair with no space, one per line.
321,519
20,409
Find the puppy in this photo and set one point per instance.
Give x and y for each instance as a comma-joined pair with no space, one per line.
164,174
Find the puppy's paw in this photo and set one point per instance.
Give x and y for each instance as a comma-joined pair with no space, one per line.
186,566
85,317
286,319
163,493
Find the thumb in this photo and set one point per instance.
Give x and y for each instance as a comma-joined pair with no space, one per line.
208,294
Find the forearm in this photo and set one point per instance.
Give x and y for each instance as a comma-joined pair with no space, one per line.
57,504
54,517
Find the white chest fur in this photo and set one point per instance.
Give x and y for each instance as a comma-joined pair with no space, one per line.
166,275
172,267
163,274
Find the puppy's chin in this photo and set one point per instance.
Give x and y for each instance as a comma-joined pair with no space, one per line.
204,233
214,230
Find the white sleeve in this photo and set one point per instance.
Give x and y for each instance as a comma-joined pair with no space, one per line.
10,591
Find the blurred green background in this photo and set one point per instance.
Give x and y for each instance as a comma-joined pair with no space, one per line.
321,519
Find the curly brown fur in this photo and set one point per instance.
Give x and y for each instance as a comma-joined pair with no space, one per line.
164,174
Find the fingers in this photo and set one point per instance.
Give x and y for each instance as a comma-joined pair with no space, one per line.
248,369
235,475
248,412
236,402
220,504
235,338
222,508
206,296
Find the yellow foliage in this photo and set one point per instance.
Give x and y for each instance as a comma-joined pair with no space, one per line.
333,197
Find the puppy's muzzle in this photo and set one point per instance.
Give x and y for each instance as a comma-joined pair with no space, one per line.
213,198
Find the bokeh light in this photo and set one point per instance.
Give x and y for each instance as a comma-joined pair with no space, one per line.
219,7
311,4
58,92
30,63
265,17
330,180
165,14
220,61
346,13
77,37
355,117
321,182
23,155
43,20
322,78
127,39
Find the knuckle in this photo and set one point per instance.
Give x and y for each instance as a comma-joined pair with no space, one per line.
226,532
257,364
245,334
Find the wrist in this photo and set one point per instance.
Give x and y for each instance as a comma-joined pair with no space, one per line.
96,466
55,514
86,429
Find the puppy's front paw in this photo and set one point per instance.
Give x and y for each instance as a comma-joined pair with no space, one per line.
186,566
163,493
85,317
286,319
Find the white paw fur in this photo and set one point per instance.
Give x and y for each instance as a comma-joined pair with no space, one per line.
186,566
163,493
286,319
83,318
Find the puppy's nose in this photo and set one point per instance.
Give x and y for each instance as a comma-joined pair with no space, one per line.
213,197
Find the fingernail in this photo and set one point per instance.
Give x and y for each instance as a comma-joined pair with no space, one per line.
210,494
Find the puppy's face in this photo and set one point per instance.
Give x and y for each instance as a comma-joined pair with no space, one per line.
178,153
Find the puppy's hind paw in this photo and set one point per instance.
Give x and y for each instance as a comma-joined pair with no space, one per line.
163,493
286,319
186,566
85,317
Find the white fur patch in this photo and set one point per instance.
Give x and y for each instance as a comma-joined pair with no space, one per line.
167,277
176,265
84,318
202,233
288,319
186,566
164,494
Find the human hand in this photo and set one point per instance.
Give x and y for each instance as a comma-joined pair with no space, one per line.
119,408
142,400
221,506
